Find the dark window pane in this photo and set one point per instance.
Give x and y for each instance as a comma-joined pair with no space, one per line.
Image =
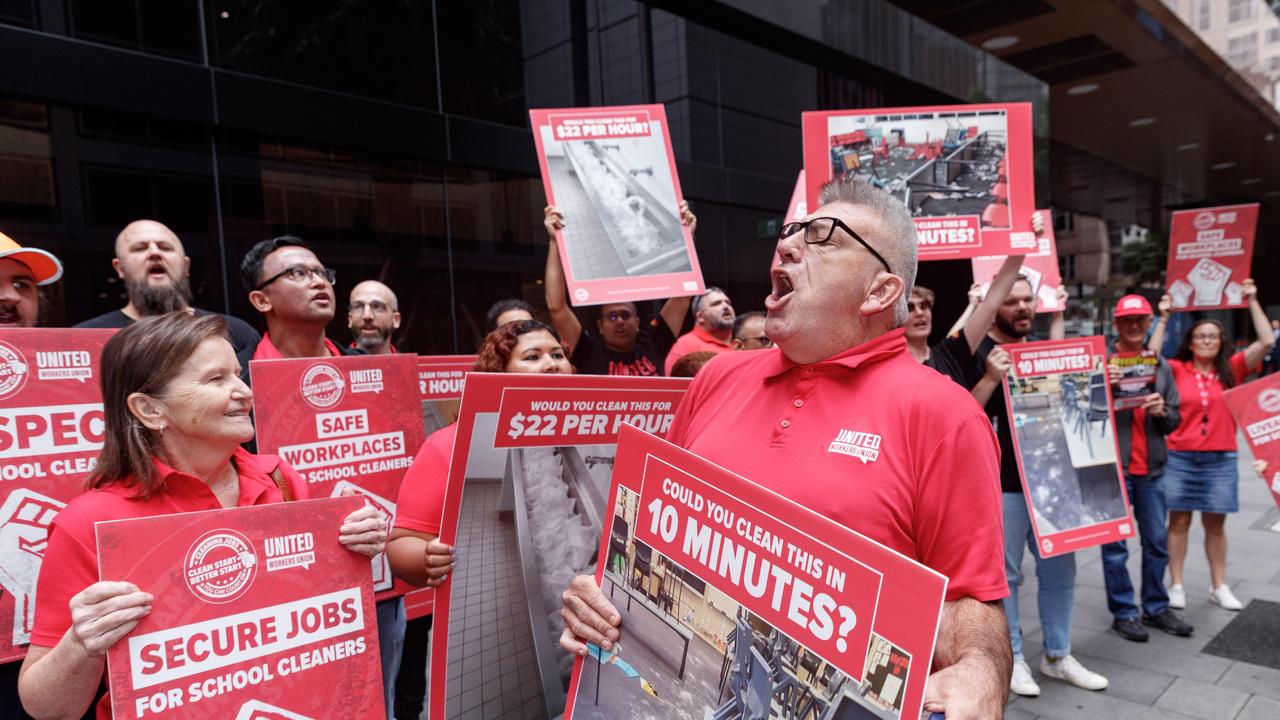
482,60
163,27
18,12
374,49
26,163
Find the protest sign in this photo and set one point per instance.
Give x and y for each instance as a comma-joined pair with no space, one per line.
732,596
1039,267
1059,402
525,506
51,429
351,422
611,173
259,612
964,171
1256,408
797,208
1210,253
1137,378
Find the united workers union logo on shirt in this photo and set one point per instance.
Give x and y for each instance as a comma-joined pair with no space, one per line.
220,566
861,445
13,370
322,386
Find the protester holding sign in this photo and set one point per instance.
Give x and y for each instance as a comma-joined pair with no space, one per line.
1201,474
622,347
836,313
22,269
176,413
1140,432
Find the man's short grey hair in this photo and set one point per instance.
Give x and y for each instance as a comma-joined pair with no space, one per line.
897,245
697,299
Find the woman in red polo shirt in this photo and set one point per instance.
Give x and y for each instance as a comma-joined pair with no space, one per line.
523,346
175,414
1201,473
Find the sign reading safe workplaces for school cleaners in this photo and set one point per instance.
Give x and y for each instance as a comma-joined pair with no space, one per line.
259,612
51,430
352,422
1059,400
611,173
1210,252
717,578
964,171
526,503
1256,408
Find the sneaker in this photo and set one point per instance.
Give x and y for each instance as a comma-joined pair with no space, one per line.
1022,683
1177,597
1169,622
1070,670
1224,598
1130,629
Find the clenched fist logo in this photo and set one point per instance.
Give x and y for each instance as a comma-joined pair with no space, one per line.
25,518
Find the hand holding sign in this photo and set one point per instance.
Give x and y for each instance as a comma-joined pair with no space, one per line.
106,611
363,531
589,617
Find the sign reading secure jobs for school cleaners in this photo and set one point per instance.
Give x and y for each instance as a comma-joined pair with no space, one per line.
347,422
51,430
259,612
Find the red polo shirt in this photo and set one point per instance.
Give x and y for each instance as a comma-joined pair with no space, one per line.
71,558
1206,423
421,499
267,350
697,340
869,438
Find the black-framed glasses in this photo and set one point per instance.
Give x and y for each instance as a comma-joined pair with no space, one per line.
761,340
301,274
820,229
377,307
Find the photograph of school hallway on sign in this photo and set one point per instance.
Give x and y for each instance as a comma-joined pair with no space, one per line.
944,163
530,521
1067,447
619,203
690,651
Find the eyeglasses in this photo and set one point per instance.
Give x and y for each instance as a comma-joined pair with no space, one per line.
301,274
1201,337
922,306
761,340
376,306
820,229
616,315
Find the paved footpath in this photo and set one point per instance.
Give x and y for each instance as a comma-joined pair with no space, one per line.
1168,677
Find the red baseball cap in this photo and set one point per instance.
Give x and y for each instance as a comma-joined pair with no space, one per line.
45,268
1133,305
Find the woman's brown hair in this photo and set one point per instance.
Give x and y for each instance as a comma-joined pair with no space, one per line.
495,349
143,358
1221,361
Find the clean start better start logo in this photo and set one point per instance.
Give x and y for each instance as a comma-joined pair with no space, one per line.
220,566
1269,400
1204,220
13,370
322,386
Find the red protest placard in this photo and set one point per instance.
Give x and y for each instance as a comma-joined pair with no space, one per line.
964,171
1210,253
1137,378
1040,267
352,422
612,174
731,595
1059,403
259,612
797,208
1256,408
51,429
527,492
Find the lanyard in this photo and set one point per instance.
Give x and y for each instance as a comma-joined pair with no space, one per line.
1204,383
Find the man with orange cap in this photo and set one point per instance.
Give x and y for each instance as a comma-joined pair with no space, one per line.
22,269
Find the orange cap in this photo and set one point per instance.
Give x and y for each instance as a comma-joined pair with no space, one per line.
44,266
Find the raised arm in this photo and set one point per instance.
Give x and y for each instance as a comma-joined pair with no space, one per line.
1058,320
674,309
1257,349
973,662
553,285
1156,341
976,327
975,297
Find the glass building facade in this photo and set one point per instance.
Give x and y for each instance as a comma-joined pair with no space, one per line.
393,136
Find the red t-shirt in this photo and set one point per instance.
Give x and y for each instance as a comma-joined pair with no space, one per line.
266,350
697,340
1138,445
1206,423
869,438
71,558
421,499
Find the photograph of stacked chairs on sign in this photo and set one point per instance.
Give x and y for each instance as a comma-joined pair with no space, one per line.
1068,449
945,163
530,521
690,651
619,203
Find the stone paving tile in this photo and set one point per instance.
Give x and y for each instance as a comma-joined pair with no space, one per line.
1163,653
1201,700
1015,711
1128,682
1258,708
1253,679
1061,701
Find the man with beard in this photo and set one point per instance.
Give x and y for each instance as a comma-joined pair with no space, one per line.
712,331
22,270
373,316
1056,576
151,262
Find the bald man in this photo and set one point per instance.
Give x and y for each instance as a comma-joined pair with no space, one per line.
373,314
154,267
